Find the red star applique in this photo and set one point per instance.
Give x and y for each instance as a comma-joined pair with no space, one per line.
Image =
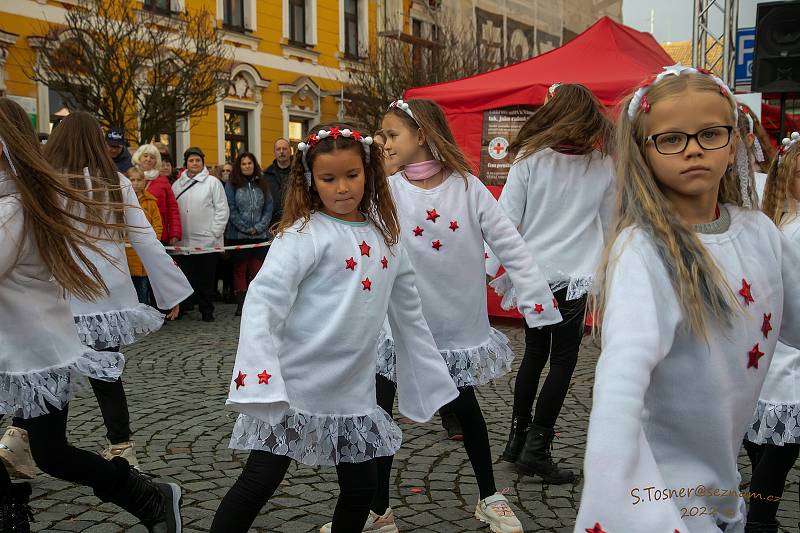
555,303
367,284
436,244
364,248
766,327
240,379
753,356
356,135
418,231
745,292
351,264
385,262
453,225
433,215
538,308
596,529
264,378
335,132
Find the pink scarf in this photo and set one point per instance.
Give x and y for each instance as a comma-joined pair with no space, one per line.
422,171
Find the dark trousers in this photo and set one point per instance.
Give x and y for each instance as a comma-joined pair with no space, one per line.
47,435
560,344
261,476
142,286
476,440
113,405
771,467
201,271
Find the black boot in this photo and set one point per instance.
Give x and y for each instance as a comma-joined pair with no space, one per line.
156,505
516,438
535,458
15,513
452,425
239,302
761,527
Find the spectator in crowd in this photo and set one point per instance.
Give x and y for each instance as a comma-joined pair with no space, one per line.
118,149
250,206
168,167
149,205
204,214
278,174
148,159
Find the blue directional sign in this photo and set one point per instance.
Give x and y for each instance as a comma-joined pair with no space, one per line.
745,47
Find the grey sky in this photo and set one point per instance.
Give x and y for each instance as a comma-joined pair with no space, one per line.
672,20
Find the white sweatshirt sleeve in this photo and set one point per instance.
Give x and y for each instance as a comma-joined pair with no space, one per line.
423,381
790,271
269,300
534,300
640,320
512,202
11,233
170,286
221,209
608,205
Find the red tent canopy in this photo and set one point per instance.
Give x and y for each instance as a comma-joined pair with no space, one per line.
608,58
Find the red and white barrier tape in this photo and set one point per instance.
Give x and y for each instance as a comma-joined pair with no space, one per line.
192,250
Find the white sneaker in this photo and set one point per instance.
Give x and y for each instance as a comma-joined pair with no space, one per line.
496,512
124,450
15,452
375,523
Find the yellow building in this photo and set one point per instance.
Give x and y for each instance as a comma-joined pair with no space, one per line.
290,58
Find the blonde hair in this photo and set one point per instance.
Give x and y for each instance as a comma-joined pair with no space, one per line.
779,179
429,118
147,149
135,171
698,282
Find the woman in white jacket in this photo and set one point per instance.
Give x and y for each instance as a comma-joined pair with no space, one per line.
204,215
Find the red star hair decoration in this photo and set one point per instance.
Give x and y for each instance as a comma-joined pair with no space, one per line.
596,529
753,356
645,105
745,292
436,244
539,308
335,132
385,262
555,303
433,215
356,135
350,264
367,284
364,248
418,231
263,378
453,225
240,379
766,327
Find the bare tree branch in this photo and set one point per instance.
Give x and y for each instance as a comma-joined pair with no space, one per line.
125,65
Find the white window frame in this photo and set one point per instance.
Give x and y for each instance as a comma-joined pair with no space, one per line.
287,91
363,29
252,107
311,21
250,13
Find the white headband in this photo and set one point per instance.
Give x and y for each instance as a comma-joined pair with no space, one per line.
551,91
335,133
403,106
640,96
787,143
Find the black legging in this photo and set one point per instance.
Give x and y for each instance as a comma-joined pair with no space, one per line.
47,436
261,476
476,441
771,467
113,406
560,343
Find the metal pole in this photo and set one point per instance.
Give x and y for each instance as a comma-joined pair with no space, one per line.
695,15
783,117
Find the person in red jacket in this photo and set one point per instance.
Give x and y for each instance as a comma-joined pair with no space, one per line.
148,159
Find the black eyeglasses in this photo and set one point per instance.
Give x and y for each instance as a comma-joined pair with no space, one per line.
675,142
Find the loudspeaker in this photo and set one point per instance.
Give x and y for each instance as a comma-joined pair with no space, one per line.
776,62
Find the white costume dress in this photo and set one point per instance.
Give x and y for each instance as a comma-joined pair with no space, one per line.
670,407
41,358
119,319
444,230
304,376
777,416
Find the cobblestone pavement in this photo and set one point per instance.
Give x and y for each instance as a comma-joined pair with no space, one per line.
177,382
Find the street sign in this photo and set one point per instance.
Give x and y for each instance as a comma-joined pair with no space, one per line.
745,46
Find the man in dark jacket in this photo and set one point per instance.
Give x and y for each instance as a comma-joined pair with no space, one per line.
115,139
277,175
